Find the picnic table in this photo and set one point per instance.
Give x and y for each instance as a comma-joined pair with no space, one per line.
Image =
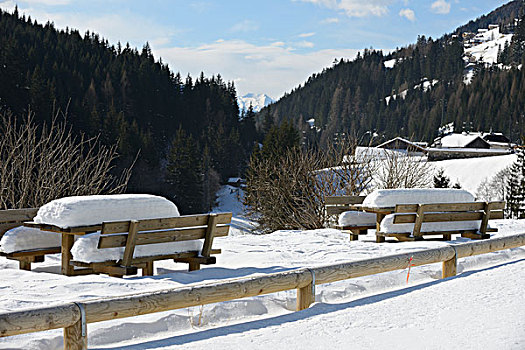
68,238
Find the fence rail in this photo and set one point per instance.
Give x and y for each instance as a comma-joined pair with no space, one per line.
73,317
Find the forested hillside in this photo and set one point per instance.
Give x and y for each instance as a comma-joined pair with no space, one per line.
424,89
127,96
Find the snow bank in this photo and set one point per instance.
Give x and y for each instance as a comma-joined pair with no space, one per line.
92,210
357,218
24,238
388,226
391,197
85,249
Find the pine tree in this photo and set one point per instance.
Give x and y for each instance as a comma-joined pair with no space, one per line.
184,173
515,192
441,180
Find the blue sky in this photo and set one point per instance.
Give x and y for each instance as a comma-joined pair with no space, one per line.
267,46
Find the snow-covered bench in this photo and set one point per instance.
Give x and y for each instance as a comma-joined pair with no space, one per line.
61,222
413,221
351,221
12,220
122,247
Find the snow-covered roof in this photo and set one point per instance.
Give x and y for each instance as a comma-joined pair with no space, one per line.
416,146
458,140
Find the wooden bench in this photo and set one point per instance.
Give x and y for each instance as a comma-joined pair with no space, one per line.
130,234
418,214
336,205
11,218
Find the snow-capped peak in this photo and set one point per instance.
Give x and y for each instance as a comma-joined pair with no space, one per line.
258,101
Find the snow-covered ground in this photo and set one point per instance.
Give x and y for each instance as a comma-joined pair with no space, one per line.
471,172
483,305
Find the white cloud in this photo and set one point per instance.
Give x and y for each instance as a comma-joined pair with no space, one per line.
330,20
272,69
245,26
440,6
8,5
306,35
355,8
305,44
408,14
113,27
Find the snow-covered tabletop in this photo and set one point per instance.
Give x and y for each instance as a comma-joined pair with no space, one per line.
391,197
93,210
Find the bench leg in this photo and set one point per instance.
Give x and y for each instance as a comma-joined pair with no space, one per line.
447,237
148,270
25,264
354,235
379,217
194,266
67,244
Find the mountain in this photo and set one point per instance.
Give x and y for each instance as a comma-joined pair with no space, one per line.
440,81
258,102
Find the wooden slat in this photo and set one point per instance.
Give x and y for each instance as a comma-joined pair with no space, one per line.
210,235
130,242
335,210
7,226
119,240
166,223
420,216
486,216
33,252
77,230
449,207
342,200
19,215
439,217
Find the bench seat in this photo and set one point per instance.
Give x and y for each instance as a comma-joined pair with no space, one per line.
413,221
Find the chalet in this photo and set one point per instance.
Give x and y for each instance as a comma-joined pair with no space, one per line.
401,144
468,145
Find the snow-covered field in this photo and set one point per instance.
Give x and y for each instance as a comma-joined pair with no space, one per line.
483,306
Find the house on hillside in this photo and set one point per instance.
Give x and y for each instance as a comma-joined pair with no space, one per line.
468,145
401,144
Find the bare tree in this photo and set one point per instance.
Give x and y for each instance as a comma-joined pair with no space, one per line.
288,192
41,163
402,170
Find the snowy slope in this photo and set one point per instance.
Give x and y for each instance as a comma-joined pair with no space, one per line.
488,52
257,101
471,172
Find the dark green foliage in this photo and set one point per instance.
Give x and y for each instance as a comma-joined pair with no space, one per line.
441,180
184,173
515,188
125,96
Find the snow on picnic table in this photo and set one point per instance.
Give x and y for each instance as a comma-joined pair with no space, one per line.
377,311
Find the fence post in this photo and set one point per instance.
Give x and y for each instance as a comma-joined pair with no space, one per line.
306,294
450,266
75,336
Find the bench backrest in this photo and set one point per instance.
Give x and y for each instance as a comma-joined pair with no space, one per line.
447,212
128,234
11,218
338,204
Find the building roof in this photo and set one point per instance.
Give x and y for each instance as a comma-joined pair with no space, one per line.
459,140
417,146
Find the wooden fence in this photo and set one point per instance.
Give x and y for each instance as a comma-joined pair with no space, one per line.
74,317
